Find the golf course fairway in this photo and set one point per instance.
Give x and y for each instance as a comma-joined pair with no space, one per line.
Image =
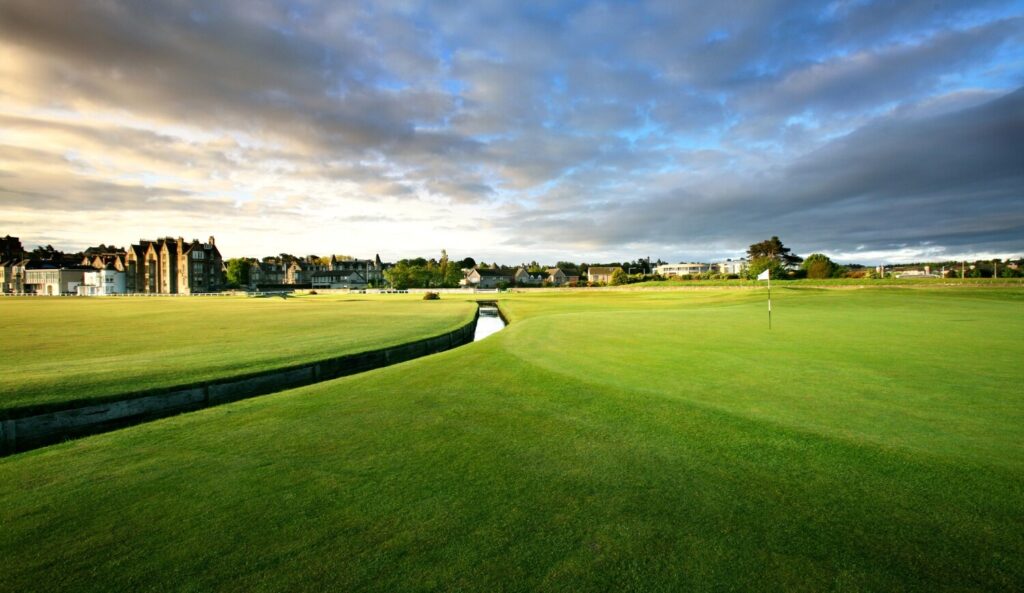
872,440
61,352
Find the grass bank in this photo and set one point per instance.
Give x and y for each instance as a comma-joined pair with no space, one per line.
644,441
74,351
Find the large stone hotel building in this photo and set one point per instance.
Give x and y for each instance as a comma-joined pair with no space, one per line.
174,266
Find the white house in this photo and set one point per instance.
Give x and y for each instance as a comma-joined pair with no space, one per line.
102,282
52,280
682,269
731,266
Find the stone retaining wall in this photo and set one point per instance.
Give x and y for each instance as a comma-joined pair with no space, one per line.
34,429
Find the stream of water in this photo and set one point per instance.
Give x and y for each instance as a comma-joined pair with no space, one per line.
488,323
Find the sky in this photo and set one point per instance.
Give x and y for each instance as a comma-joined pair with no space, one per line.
872,131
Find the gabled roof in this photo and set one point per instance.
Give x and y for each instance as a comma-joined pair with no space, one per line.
491,272
139,250
603,270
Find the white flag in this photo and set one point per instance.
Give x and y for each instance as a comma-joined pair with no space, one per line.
764,275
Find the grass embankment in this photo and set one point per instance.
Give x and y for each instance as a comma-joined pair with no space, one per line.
872,441
73,351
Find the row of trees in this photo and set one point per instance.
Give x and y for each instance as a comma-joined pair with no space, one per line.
424,273
773,254
769,254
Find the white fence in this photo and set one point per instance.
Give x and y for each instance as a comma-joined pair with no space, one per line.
127,294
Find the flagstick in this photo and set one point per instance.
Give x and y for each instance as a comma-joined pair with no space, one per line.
769,301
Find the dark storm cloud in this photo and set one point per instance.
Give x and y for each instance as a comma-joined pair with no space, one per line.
955,180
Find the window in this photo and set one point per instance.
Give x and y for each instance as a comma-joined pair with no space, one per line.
197,254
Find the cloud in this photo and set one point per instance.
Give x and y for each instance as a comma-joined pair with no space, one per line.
877,76
953,179
542,127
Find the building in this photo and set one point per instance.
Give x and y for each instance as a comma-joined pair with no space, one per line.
17,278
557,277
107,281
731,266
682,269
200,267
486,278
266,273
11,249
371,270
102,260
601,274
52,280
296,273
523,277
173,266
7,276
337,279
339,272
916,273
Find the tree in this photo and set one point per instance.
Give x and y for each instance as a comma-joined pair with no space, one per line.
773,248
399,276
468,263
238,272
46,253
442,268
421,273
760,264
619,277
818,265
445,273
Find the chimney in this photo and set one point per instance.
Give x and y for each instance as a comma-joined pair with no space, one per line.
212,240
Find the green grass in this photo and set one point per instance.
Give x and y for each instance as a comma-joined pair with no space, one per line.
837,282
70,351
612,441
